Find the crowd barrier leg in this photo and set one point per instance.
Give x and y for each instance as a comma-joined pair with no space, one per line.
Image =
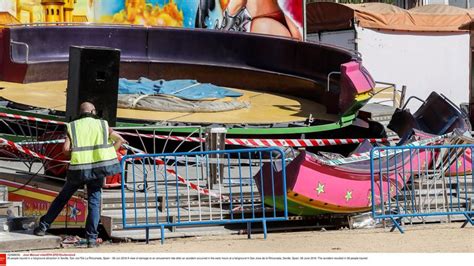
419,183
396,225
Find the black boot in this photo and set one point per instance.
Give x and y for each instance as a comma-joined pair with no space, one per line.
38,231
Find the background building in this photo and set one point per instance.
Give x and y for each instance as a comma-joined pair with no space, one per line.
53,10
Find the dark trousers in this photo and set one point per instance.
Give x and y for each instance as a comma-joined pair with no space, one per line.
94,191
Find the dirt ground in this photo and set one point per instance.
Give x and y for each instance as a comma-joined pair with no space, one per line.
418,238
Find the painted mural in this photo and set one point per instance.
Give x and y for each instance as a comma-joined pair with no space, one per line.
277,17
36,202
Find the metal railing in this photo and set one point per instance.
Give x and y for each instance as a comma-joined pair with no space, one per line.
173,189
27,50
414,184
397,96
328,86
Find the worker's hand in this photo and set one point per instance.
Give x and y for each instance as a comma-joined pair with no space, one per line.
118,140
122,151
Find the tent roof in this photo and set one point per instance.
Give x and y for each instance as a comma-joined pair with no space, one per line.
441,9
324,16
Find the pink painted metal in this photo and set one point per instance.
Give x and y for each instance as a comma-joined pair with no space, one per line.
359,78
355,81
347,188
462,165
314,187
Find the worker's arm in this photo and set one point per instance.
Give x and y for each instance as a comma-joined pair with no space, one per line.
116,138
67,146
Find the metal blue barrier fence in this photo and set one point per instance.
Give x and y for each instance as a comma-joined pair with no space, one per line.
413,184
201,188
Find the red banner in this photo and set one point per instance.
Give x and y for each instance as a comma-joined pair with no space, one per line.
3,259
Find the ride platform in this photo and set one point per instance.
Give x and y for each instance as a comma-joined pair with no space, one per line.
264,108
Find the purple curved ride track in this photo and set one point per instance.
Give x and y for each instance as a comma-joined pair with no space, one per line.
233,59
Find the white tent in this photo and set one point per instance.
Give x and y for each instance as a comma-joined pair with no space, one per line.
424,48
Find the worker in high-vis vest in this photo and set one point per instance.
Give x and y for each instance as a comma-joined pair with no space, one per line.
92,146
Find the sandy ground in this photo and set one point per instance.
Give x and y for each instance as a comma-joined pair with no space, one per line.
419,238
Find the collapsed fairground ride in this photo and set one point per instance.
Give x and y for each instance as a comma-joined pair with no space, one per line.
290,88
293,90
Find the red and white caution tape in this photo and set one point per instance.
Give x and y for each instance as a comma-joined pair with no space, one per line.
270,142
232,141
194,186
15,146
44,142
181,179
30,118
301,142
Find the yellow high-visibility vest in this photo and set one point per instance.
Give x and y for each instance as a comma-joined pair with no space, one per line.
92,153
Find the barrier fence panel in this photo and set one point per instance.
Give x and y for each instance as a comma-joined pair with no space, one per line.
173,189
415,183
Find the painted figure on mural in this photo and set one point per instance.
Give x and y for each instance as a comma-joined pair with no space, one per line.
257,16
277,17
266,17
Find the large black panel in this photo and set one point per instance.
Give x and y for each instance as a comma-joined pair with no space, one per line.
93,77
